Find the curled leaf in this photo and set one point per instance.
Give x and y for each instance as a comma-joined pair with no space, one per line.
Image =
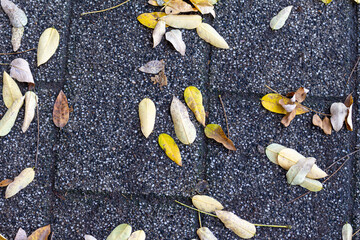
16,37
20,70
205,234
272,152
137,235
338,114
349,104
271,102
215,132
206,203
121,232
20,182
184,128
150,19
288,107
182,21
168,144
240,227
8,120
48,43
193,99
11,91
311,185
175,37
297,173
31,101
279,20
147,114
21,235
153,67
5,182
158,33
300,95
61,110
347,232
16,15
41,233
210,35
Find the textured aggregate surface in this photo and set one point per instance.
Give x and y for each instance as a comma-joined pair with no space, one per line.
99,171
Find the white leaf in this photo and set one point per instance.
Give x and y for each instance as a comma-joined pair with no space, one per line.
147,114
16,15
20,70
158,32
153,67
279,20
210,35
174,36
89,237
30,105
8,120
338,114
16,36
137,235
20,182
182,21
21,235
347,232
48,43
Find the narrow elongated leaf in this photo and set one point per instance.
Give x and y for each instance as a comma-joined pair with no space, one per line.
16,37
16,15
8,120
5,182
31,101
210,35
150,19
61,110
312,185
182,21
184,128
240,227
206,203
297,173
194,100
272,152
168,144
48,43
347,232
137,235
20,70
289,157
205,234
21,235
158,33
11,91
279,20
89,237
147,114
271,102
175,37
215,132
121,232
20,182
41,233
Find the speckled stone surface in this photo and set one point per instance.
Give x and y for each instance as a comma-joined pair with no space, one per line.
100,171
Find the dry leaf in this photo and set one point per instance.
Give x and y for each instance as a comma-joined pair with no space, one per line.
11,91
2,237
175,37
297,173
20,71
160,79
347,232
61,110
147,113
48,43
137,235
168,144
298,96
150,19
210,35
16,37
279,20
20,182
153,2
205,234
158,33
184,128
206,203
286,120
312,185
349,104
215,132
182,21
272,152
31,101
289,157
316,120
178,6
5,182
153,67
41,233
288,107
121,232
21,235
204,7
89,237
8,120
338,114
271,102
193,99
16,15
327,126
329,1
240,227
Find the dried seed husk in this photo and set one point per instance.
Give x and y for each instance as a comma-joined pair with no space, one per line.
312,185
147,114
206,203
240,227
272,152
297,173
204,233
182,21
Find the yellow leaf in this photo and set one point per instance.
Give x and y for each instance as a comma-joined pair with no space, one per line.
48,43
206,203
40,234
8,120
11,91
272,152
182,21
312,185
210,35
20,182
215,132
147,113
205,234
2,237
168,144
193,99
178,6
240,227
329,1
121,232
357,1
137,235
31,100
271,102
150,19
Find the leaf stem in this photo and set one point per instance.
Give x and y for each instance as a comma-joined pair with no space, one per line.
183,204
274,226
352,71
357,231
199,219
5,64
2,54
227,126
104,10
342,158
38,135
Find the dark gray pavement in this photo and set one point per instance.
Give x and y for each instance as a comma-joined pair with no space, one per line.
99,171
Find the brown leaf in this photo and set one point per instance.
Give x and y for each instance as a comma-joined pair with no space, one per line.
40,233
61,110
298,96
160,79
215,132
326,126
5,182
286,120
348,120
288,107
316,120
178,6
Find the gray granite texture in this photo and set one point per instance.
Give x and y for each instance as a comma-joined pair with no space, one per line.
100,171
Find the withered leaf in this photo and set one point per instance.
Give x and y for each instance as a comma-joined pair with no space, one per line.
178,6
11,91
20,182
204,7
31,101
206,203
137,235
272,152
48,43
89,237
349,104
158,33
288,107
182,21
286,120
16,37
300,95
271,102
121,232
279,20
41,233
215,132
210,35
16,15
8,120
326,126
175,37
21,235
204,233
312,185
150,19
347,232
240,227
20,70
297,173
153,67
194,100
316,120
61,110
338,114
160,79
147,114
168,144
5,182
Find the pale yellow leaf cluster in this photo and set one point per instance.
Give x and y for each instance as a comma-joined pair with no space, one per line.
147,114
20,182
48,43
